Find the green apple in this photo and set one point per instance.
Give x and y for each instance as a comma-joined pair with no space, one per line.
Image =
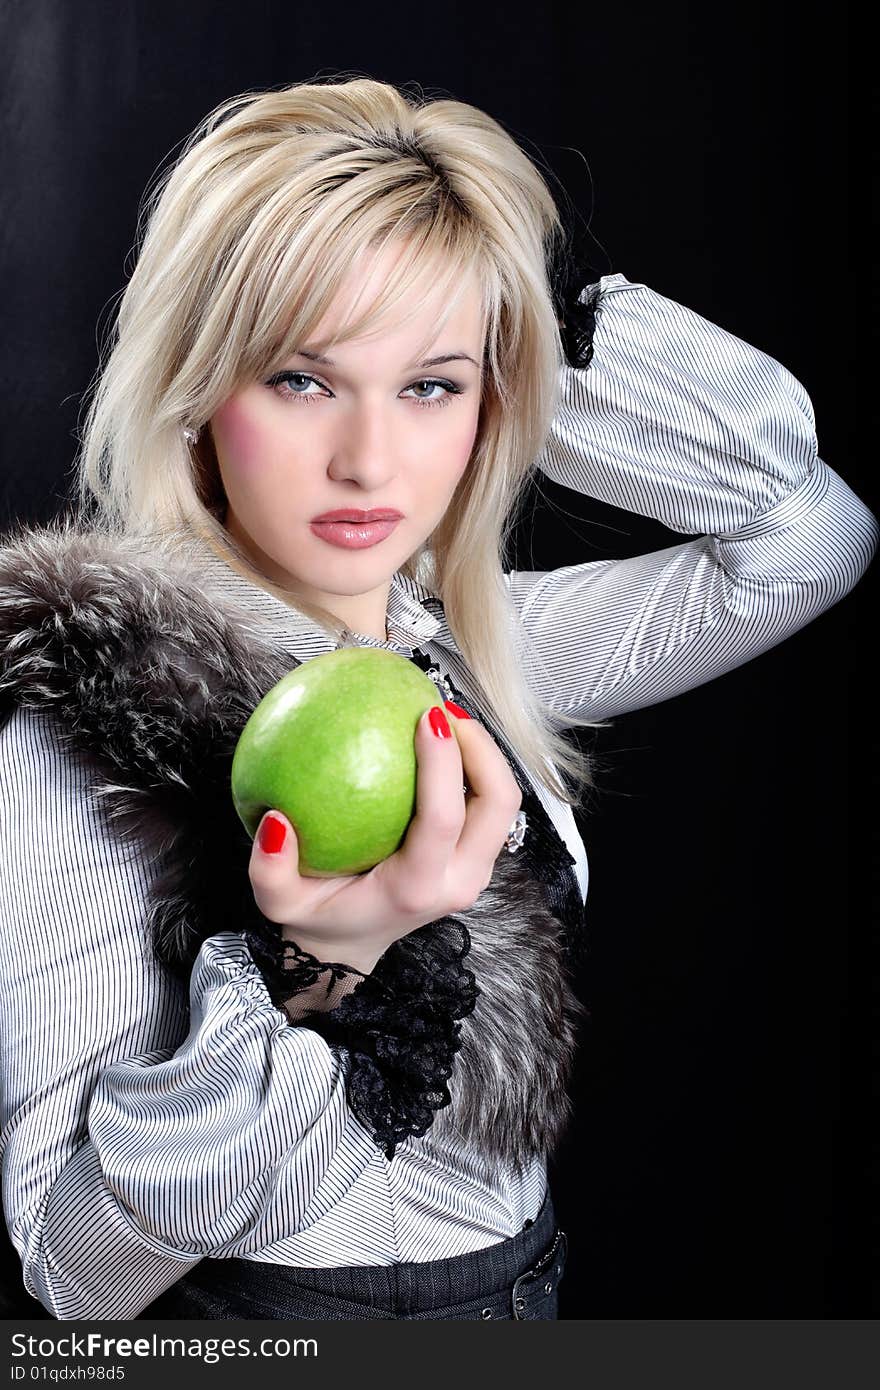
332,747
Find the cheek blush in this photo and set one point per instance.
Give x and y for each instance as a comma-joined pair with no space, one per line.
240,437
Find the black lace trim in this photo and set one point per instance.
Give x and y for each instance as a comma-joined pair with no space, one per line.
399,1025
286,968
569,274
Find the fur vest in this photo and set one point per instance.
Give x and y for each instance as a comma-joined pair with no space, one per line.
153,680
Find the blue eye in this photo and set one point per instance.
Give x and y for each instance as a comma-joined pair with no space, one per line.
286,378
446,386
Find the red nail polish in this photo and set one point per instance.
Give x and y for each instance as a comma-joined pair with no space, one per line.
272,833
437,720
456,709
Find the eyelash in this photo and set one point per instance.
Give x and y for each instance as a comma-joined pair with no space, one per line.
281,377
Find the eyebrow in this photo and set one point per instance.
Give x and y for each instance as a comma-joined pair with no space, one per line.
429,362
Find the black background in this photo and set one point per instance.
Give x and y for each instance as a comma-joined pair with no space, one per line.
718,1164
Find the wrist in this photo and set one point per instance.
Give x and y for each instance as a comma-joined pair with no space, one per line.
338,952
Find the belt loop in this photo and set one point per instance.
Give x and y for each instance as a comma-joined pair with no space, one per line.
557,1251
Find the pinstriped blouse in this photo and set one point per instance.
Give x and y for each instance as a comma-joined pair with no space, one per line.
120,1170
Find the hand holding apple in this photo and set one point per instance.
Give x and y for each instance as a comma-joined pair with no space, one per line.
445,862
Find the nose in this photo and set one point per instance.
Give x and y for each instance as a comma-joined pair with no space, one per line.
363,449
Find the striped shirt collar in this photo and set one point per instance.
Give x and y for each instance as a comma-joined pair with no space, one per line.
414,614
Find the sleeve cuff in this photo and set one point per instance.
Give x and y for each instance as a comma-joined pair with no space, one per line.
788,510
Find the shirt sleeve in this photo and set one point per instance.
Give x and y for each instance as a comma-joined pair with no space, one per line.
141,1130
679,420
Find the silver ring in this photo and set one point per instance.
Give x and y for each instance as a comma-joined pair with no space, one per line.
517,833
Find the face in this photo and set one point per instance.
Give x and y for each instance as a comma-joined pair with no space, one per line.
375,428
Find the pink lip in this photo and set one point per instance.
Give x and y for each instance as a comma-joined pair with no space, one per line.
353,535
353,514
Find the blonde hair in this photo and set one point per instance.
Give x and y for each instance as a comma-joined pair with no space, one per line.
272,197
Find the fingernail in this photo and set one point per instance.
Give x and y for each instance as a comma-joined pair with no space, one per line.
437,720
456,709
272,833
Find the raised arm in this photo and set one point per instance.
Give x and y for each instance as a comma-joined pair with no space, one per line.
679,420
141,1131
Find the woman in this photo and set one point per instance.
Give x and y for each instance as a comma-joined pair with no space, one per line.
256,1094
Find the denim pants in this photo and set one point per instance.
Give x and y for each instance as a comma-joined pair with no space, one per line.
516,1279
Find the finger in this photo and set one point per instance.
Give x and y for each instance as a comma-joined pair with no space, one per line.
494,797
274,866
421,862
